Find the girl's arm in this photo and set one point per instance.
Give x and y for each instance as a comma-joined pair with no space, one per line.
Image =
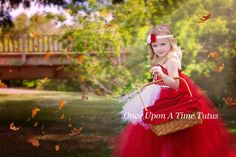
172,69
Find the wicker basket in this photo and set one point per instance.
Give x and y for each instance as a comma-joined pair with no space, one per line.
175,124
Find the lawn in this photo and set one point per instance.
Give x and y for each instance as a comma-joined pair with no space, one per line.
52,126
97,116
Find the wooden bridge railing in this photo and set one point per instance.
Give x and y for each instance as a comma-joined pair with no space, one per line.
37,44
33,43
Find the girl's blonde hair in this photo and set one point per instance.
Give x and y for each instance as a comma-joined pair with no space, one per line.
175,52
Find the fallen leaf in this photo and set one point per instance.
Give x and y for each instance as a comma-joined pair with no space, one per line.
57,147
69,37
34,142
76,131
47,55
205,18
84,97
13,127
35,111
36,124
214,55
229,101
62,116
2,85
61,104
80,58
219,68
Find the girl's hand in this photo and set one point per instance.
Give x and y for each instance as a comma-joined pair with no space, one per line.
157,70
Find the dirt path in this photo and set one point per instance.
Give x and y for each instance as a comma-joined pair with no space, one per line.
21,91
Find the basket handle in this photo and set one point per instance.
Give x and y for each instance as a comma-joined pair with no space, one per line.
154,82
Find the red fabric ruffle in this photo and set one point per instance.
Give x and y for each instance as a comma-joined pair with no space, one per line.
209,139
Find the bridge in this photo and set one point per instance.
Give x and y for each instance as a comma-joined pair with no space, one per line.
38,56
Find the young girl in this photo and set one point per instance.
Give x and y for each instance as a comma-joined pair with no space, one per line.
209,139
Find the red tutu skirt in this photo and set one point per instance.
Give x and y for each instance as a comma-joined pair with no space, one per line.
209,139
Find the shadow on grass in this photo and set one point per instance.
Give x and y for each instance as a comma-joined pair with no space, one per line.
96,116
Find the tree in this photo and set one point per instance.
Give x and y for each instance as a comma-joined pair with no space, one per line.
6,6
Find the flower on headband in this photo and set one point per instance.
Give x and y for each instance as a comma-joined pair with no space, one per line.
151,38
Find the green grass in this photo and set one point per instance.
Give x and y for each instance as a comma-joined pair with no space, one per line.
97,116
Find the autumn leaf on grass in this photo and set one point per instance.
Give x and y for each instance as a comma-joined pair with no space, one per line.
57,147
35,111
61,104
34,142
84,97
214,55
13,127
36,124
62,116
76,131
47,55
2,85
229,101
219,68
204,18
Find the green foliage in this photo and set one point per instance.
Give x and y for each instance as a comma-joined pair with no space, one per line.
99,75
37,23
217,34
95,37
128,28
199,39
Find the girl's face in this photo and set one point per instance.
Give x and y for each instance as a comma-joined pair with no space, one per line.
161,47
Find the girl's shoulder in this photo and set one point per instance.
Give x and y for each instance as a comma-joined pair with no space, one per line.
172,62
